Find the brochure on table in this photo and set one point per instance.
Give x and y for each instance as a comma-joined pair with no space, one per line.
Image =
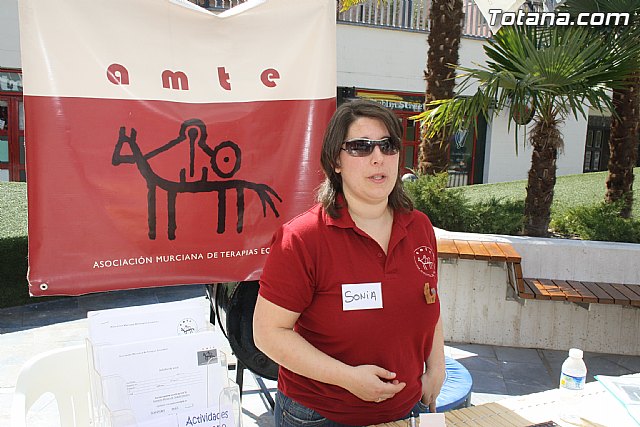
626,389
159,365
138,323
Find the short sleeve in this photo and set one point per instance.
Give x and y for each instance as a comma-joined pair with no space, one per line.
287,278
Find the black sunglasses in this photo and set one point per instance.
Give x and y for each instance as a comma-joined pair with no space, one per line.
362,147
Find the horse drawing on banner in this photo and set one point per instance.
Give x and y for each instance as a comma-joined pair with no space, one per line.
194,132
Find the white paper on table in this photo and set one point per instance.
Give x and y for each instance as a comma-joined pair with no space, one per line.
432,420
145,322
626,389
149,380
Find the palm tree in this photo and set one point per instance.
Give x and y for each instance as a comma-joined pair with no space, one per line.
445,29
625,123
542,74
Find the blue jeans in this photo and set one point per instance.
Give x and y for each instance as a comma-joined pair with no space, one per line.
289,413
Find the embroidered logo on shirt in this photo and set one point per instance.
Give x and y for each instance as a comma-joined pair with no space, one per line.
425,260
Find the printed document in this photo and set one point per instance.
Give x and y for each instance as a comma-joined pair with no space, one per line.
626,389
129,324
153,380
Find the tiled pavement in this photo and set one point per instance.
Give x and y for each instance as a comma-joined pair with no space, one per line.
497,372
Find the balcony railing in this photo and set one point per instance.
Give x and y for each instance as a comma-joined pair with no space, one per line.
411,15
408,15
217,4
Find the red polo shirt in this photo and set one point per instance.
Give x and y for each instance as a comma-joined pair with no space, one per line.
311,258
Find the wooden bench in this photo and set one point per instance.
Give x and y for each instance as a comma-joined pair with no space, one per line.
580,291
536,288
469,249
484,251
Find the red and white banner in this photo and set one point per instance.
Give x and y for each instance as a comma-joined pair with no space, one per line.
164,143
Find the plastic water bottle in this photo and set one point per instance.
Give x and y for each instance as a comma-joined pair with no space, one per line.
572,379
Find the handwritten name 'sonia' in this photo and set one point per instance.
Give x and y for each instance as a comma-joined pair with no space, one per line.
357,296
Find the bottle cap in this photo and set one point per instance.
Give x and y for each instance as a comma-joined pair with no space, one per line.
575,352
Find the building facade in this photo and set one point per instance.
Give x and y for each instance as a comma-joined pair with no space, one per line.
12,153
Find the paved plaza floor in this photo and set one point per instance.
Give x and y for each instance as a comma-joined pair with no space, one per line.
26,331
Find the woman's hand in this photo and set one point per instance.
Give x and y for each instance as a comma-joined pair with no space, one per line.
372,383
432,381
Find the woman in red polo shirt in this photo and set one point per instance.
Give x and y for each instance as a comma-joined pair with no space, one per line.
348,303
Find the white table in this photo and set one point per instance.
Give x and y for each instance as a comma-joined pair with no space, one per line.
595,405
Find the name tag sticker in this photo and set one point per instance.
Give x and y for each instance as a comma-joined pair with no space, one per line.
361,296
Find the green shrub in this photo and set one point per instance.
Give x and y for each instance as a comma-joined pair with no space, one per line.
497,216
598,222
13,271
450,209
446,208
14,289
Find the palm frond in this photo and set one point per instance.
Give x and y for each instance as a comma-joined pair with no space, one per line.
555,71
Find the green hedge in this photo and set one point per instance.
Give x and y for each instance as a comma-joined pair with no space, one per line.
598,222
451,209
14,289
500,209
13,272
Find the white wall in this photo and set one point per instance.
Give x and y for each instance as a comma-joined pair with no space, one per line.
377,58
471,55
502,164
9,34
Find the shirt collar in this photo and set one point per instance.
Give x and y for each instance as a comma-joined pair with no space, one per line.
344,220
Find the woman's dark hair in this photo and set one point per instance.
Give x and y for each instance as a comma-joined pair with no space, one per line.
335,136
